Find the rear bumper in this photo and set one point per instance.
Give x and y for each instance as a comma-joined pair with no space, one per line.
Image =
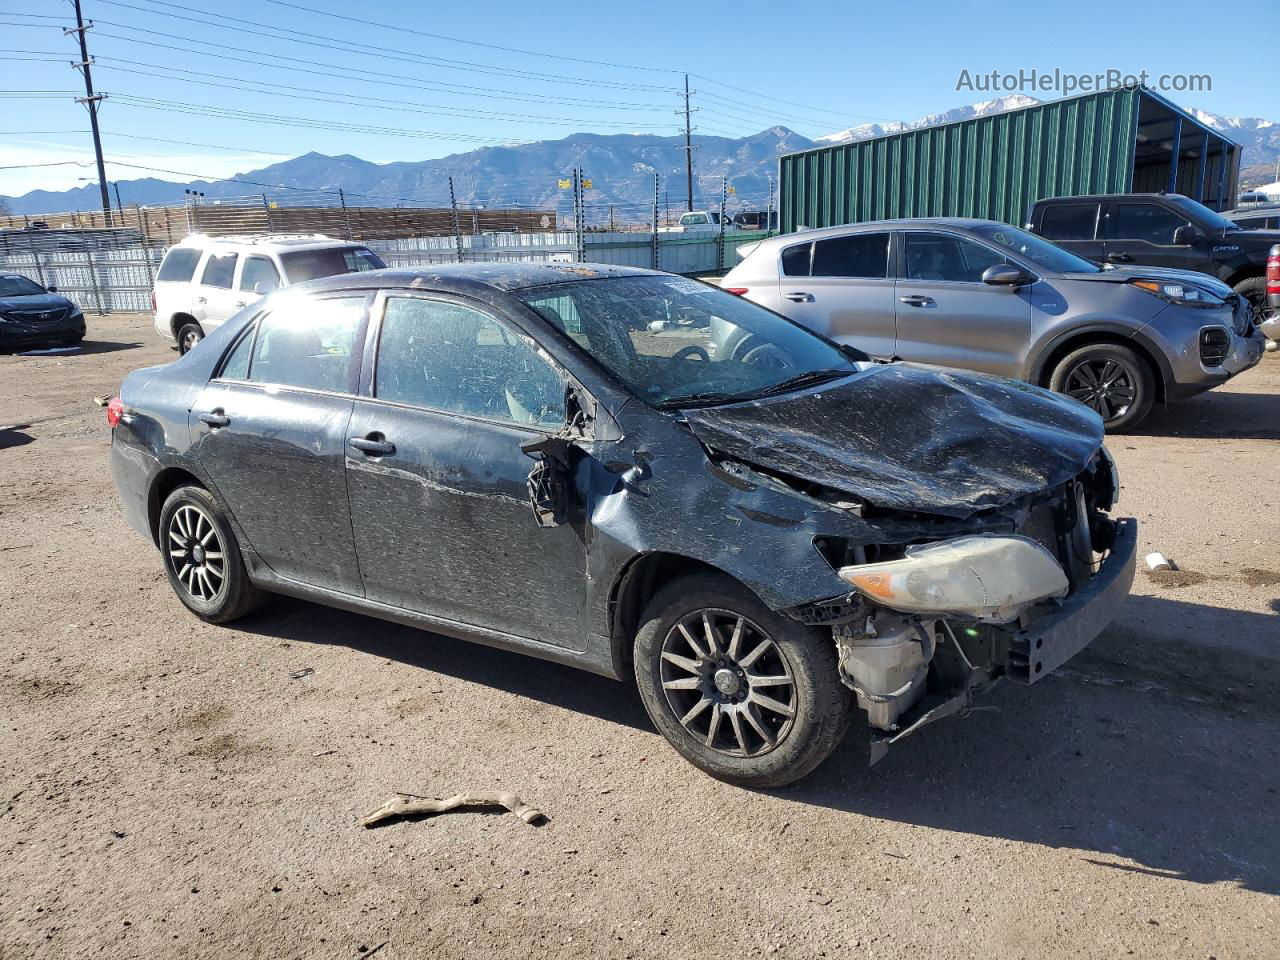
1053,639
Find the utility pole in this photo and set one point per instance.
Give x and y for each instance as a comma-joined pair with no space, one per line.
723,190
688,142
119,206
457,229
91,100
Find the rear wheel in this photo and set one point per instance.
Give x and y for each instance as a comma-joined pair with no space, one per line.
189,334
1112,380
747,695
202,558
1255,291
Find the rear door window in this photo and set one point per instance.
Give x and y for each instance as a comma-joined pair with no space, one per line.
795,260
857,255
1151,222
219,270
940,256
309,344
179,265
259,270
236,366
453,358
1069,221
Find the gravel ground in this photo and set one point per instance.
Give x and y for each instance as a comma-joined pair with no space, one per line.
170,791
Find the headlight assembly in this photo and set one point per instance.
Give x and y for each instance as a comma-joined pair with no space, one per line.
990,578
1180,293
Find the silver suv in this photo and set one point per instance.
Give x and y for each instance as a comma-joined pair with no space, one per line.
990,297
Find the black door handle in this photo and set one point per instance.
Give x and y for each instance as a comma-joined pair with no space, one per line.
799,297
917,301
373,445
215,418
1119,258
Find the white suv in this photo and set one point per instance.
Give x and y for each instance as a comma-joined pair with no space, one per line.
205,280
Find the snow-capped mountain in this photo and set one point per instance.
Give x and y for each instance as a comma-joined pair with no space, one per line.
868,131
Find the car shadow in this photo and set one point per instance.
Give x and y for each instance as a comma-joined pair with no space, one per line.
84,348
1217,415
14,437
1150,752
301,622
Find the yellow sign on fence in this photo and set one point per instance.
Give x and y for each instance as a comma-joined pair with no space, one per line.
565,183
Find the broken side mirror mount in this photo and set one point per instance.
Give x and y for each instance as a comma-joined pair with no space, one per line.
548,481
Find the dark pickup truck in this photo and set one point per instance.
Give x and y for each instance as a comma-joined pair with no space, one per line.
1160,230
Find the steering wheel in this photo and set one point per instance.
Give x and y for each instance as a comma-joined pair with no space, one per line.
691,352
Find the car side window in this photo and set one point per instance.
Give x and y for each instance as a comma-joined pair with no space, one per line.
1069,221
236,366
308,343
219,270
449,357
795,260
259,270
179,265
1146,221
938,256
857,255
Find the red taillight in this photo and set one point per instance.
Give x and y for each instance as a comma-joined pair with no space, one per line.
115,410
736,291
1273,272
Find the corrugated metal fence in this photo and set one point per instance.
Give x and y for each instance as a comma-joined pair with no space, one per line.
104,274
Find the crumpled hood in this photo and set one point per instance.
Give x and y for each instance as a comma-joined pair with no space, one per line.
1123,274
912,437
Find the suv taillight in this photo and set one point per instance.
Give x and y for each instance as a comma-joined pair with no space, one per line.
115,410
1273,272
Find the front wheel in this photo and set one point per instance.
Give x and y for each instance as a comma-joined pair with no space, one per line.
1254,290
188,336
745,694
1111,379
202,559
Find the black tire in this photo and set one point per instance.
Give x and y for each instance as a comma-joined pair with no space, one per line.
1128,400
1255,291
819,702
189,334
217,597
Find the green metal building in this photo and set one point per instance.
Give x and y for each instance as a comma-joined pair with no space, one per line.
1119,141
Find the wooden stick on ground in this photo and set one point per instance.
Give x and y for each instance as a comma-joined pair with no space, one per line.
408,805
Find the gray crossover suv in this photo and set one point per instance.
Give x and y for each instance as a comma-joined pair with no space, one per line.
990,297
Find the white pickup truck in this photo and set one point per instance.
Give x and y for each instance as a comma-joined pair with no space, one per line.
699,221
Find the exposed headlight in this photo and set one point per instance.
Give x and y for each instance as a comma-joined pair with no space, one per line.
1182,293
991,578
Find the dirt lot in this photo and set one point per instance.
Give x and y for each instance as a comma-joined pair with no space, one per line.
170,791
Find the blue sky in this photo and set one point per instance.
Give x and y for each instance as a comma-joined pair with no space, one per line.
608,67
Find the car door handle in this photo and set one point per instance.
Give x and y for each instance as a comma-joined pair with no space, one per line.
238,304
1119,258
916,300
202,299
215,418
799,297
373,446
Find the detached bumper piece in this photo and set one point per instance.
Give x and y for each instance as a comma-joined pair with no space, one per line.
964,660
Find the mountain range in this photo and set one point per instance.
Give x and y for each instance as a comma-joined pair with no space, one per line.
620,166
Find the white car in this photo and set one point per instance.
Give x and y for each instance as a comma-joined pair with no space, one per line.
700,221
205,280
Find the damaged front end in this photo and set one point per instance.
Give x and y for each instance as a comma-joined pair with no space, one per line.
933,623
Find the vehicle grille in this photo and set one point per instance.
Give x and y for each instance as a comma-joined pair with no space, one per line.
1215,344
38,316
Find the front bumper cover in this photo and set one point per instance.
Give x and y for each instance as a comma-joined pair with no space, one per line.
16,334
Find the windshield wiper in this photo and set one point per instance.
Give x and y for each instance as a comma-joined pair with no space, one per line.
706,399
806,379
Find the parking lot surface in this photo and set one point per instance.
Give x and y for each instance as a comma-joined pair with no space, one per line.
172,790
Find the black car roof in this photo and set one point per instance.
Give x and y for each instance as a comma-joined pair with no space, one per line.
472,277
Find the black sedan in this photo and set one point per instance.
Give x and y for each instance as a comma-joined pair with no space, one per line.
552,459
31,316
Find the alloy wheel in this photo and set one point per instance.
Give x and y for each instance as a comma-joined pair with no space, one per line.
196,553
1107,386
728,683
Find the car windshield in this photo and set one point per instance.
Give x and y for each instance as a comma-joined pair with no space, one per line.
312,264
1199,212
19,287
1036,249
677,342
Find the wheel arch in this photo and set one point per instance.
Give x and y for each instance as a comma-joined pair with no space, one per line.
1249,271
642,577
180,320
165,482
1042,369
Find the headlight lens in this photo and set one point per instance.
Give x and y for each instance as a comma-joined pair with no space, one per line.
990,578
1179,293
